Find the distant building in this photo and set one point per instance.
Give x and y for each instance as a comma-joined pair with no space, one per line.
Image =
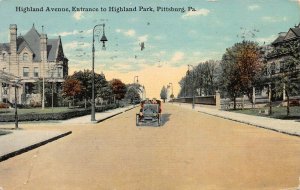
31,57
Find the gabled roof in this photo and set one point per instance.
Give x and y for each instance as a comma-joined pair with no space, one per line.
291,34
32,37
296,31
5,47
32,41
52,49
278,39
21,44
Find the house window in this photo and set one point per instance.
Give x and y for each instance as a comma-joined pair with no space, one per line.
5,87
59,72
25,56
36,72
25,71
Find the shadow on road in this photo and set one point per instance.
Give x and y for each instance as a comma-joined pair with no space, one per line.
164,119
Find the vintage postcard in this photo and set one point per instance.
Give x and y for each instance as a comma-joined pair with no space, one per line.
150,95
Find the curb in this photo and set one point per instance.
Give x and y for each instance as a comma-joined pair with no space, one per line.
98,121
252,124
31,147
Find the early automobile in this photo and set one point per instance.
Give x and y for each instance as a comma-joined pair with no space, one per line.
150,113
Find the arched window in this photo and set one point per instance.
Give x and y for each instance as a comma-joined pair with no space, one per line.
25,56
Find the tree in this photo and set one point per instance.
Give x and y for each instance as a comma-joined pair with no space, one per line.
241,67
288,80
250,66
229,80
102,88
208,76
133,92
164,93
71,88
205,79
118,88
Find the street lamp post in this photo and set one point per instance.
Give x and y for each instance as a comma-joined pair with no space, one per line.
16,103
144,92
172,95
103,40
193,86
137,79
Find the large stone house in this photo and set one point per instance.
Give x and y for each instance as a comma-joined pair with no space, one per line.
30,58
278,52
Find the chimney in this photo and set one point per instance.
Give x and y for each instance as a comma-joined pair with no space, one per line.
43,49
13,39
13,62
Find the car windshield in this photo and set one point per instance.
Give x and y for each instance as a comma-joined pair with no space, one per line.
150,108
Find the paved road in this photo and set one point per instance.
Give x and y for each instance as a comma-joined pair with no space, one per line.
190,151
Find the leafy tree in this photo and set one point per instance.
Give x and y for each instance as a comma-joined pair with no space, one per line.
102,88
208,76
250,66
164,93
133,92
241,67
288,80
118,88
72,87
205,79
229,78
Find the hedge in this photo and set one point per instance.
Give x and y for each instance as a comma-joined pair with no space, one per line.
54,116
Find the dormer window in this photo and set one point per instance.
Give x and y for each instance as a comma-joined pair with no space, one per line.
25,56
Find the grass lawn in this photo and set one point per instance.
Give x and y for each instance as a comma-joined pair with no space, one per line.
35,111
278,112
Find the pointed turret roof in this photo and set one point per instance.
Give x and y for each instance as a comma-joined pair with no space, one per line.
32,37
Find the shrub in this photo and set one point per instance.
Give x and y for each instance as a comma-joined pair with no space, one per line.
294,102
55,116
3,105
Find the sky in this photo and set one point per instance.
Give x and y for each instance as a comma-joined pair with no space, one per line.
173,39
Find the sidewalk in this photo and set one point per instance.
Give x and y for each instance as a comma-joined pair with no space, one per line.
20,141
289,127
99,116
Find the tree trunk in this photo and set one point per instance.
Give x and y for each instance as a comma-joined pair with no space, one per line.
234,103
288,105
